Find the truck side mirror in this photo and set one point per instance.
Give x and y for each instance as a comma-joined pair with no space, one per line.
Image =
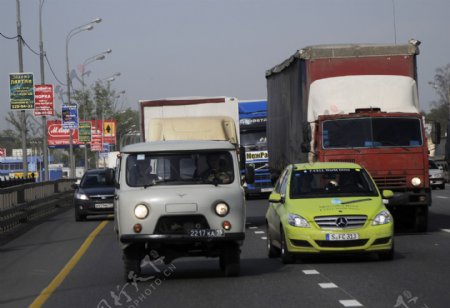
306,144
250,173
436,132
109,176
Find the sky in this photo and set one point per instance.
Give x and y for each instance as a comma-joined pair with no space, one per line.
171,48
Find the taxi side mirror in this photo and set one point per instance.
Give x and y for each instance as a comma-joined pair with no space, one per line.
387,194
276,198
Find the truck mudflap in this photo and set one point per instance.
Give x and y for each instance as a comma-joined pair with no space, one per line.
410,198
180,238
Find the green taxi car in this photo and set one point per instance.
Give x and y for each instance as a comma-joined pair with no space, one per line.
328,208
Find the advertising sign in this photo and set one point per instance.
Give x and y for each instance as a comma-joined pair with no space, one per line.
43,100
21,91
70,116
84,131
2,152
59,136
96,140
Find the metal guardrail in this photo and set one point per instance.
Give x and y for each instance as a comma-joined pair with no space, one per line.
21,204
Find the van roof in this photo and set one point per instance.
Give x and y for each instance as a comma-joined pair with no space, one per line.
177,145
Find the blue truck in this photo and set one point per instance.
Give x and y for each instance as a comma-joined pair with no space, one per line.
252,126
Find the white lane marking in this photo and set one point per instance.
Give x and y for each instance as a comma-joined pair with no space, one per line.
253,227
446,230
350,303
310,272
259,232
327,285
441,197
264,237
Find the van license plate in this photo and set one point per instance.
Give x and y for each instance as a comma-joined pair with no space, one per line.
342,236
207,233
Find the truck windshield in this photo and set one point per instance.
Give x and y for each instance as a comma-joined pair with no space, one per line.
147,169
254,140
371,132
325,183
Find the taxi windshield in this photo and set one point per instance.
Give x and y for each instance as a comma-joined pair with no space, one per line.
325,183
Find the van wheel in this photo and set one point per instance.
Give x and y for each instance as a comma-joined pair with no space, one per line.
286,256
229,260
132,263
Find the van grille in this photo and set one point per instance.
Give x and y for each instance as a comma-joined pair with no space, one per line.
180,224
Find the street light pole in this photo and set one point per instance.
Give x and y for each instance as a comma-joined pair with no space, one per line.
99,56
73,32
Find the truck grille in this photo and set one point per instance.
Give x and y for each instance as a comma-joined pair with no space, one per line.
341,222
390,182
180,224
343,160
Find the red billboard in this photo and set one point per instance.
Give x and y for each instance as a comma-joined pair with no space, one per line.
43,100
57,135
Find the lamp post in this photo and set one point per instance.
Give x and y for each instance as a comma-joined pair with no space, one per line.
100,56
86,27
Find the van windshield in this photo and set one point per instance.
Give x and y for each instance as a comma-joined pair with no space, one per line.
147,169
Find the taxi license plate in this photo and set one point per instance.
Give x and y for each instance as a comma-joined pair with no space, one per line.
207,233
104,205
342,236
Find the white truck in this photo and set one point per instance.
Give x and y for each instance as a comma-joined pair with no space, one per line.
179,193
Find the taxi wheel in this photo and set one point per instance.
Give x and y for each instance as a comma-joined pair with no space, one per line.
272,251
132,263
286,256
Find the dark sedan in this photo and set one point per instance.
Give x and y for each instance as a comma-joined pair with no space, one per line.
93,196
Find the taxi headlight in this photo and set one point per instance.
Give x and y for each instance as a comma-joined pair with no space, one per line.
222,209
384,217
141,211
416,181
297,221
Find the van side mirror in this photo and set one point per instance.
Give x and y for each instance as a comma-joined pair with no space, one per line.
109,176
436,132
241,158
250,173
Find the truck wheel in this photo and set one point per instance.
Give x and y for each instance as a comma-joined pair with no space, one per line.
442,186
272,251
229,260
286,256
132,263
421,218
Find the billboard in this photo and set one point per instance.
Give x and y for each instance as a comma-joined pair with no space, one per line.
69,116
57,135
21,91
44,100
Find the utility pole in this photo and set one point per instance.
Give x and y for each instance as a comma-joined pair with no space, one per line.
44,118
22,112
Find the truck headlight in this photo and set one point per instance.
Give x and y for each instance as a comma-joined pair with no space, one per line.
141,211
222,209
297,221
416,181
81,196
384,217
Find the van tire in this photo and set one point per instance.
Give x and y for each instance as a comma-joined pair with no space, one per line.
229,260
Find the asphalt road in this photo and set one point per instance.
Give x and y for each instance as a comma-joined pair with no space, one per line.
419,276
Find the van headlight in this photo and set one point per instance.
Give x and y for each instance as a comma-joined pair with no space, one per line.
415,181
297,221
141,211
222,209
384,217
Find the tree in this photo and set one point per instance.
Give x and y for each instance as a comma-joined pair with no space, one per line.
440,110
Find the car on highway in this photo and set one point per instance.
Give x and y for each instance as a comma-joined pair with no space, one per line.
436,174
328,208
93,195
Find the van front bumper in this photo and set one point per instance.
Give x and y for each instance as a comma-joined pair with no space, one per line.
180,238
